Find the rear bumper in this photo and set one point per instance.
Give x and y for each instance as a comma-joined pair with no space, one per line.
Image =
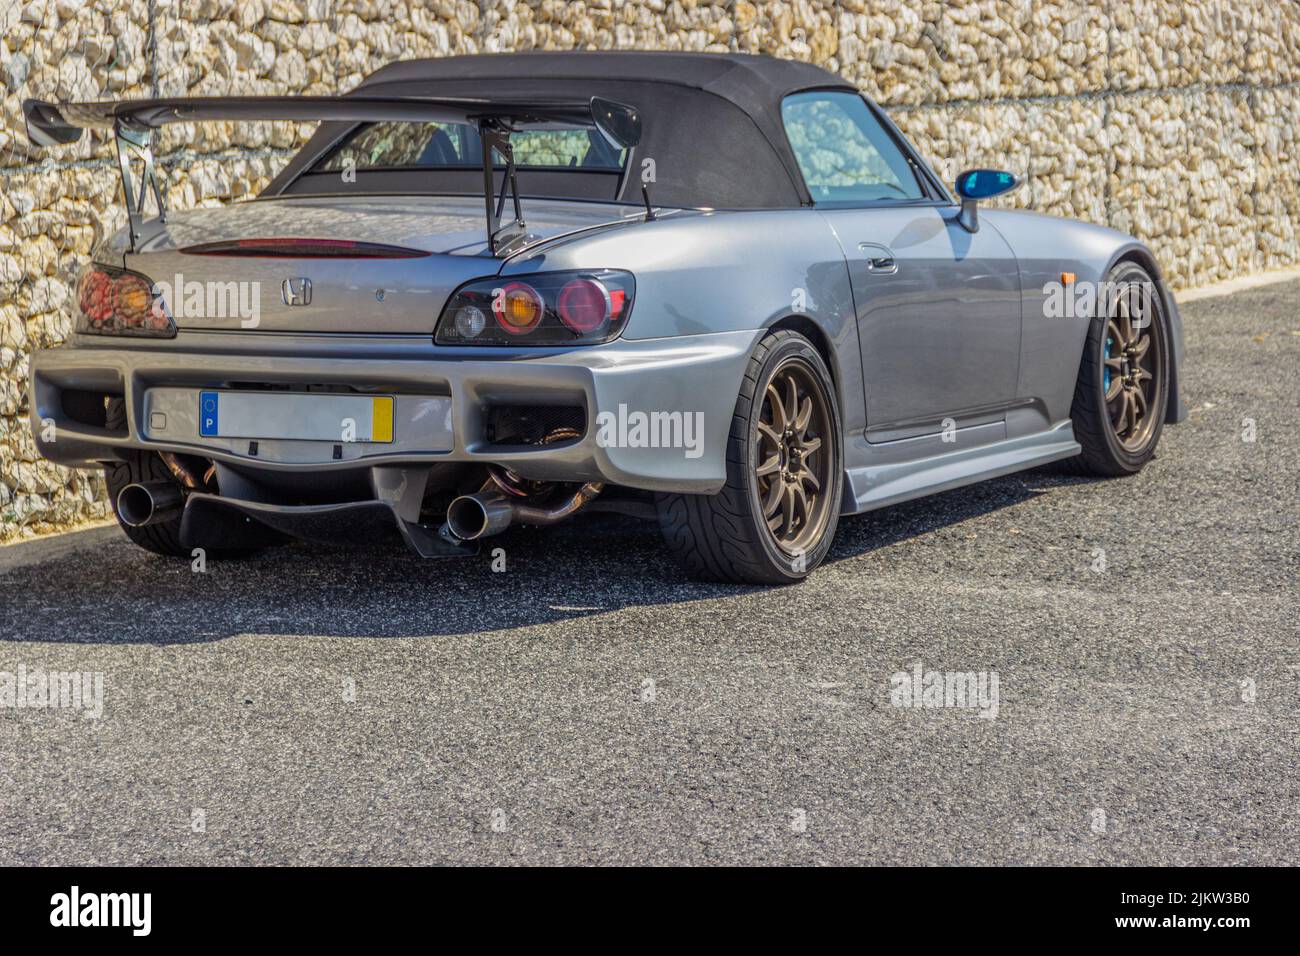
697,376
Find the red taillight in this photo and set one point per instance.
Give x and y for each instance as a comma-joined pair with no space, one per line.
281,247
563,308
518,308
95,296
116,302
583,305
617,299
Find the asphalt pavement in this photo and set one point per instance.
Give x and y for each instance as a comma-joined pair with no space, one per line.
590,705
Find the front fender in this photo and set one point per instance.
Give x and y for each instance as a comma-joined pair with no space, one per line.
1052,346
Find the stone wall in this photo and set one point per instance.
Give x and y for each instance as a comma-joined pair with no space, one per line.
1171,119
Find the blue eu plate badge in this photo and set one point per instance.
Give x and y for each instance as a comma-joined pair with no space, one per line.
208,413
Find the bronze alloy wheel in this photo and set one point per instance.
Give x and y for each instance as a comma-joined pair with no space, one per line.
1132,363
773,520
1121,396
791,463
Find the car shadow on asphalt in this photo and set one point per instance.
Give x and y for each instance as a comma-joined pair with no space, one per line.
862,534
110,592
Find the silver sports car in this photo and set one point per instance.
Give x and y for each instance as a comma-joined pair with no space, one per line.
719,291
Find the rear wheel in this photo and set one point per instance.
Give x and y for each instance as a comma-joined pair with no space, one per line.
1122,391
774,519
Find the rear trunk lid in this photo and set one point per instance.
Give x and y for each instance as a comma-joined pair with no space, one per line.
366,265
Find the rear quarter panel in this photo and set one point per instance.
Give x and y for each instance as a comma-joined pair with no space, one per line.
725,272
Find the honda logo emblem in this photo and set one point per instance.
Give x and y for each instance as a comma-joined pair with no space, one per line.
296,291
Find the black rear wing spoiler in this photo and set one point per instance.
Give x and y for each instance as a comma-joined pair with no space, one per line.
133,122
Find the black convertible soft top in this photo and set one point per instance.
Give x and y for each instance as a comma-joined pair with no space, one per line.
712,122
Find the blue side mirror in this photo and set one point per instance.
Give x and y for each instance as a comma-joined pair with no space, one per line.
976,184
985,183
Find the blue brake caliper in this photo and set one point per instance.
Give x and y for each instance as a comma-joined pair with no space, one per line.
1105,369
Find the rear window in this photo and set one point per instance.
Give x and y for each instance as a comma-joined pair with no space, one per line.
388,146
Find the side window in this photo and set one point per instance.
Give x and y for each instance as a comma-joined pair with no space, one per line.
844,153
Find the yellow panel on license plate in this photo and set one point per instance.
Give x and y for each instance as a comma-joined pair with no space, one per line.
382,430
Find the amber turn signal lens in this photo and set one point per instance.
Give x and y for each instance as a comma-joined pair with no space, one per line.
518,308
133,299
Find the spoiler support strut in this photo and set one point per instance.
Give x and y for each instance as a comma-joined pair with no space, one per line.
133,145
500,237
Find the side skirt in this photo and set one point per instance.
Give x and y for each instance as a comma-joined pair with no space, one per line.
875,486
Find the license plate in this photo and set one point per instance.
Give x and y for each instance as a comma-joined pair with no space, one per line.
296,415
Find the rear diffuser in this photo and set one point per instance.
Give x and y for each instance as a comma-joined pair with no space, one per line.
214,522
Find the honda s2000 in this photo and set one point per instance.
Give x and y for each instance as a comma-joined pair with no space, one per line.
721,291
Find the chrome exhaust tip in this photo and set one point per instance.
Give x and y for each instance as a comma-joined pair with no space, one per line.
481,515
148,503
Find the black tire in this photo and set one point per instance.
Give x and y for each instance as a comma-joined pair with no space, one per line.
725,537
163,537
1105,453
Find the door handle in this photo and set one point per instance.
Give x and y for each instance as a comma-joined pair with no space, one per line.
880,259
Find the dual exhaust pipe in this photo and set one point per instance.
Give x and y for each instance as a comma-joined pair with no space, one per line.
486,513
469,517
149,502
